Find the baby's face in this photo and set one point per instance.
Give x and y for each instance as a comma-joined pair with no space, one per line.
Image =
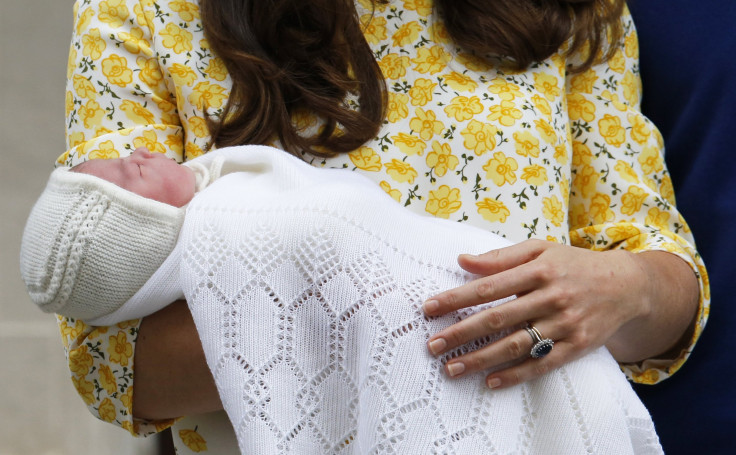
151,175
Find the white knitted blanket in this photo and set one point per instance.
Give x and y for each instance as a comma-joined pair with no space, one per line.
307,300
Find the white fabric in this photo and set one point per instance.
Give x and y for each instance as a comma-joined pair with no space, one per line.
307,301
85,235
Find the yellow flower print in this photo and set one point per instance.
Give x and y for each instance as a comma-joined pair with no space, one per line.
501,169
421,92
650,160
198,126
626,172
119,349
193,440
632,200
547,85
182,74
611,130
400,171
115,68
473,62
438,33
374,28
150,72
505,113
174,143
71,63
631,46
150,141
406,34
136,112
504,89
579,108
546,131
542,105
667,190
192,150
397,107
586,180
443,202
632,87
565,192
617,63
578,216
658,218
393,66
526,144
410,145
80,361
177,39
84,19
430,61
216,69
561,153
127,400
441,158
83,87
534,175
584,82
187,11
460,82
113,12
552,210
615,101
463,108
106,151
621,232
600,208
144,16
85,389
206,94
107,379
135,43
422,7
493,210
106,410
581,154
92,44
91,114
394,193
426,124
479,137
366,158
76,138
68,103
640,131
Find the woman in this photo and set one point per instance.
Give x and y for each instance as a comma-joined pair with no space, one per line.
542,143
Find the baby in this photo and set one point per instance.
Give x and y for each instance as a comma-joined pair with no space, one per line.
305,286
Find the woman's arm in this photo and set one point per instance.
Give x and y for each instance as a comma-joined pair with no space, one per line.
649,304
171,376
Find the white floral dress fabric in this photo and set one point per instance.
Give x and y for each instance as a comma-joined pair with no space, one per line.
533,154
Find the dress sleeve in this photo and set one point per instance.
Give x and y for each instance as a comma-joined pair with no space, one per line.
117,99
621,194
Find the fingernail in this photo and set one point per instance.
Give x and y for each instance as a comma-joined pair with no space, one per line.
494,382
430,306
437,346
468,256
454,369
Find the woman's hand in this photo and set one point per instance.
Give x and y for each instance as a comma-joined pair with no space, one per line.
639,305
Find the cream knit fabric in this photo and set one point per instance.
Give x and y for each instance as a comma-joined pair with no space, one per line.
89,245
307,300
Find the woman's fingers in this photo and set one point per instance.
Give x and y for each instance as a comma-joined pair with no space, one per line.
511,349
533,368
495,261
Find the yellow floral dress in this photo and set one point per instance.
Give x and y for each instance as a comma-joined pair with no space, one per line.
533,154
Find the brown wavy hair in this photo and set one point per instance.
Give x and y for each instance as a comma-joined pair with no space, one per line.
291,56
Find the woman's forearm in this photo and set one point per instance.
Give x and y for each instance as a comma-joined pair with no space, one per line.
666,325
171,376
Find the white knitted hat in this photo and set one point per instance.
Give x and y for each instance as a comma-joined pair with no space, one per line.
89,245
